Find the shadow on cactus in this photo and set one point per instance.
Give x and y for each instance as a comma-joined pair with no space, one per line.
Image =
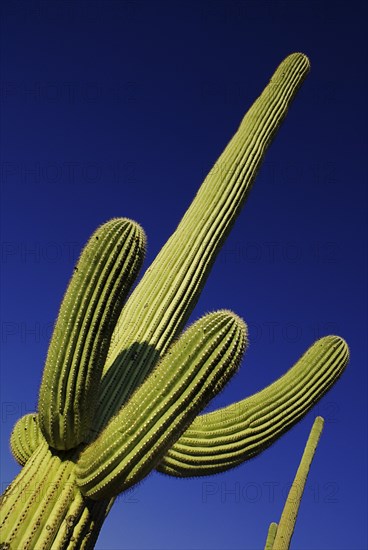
123,385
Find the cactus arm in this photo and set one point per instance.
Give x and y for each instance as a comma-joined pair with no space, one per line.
96,293
222,439
188,376
289,514
271,536
161,304
25,438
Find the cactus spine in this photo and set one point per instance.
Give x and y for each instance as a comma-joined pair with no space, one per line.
121,388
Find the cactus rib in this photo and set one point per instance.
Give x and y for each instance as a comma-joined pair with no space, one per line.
188,376
162,302
102,278
222,439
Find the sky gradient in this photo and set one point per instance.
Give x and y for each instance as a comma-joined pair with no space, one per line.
120,108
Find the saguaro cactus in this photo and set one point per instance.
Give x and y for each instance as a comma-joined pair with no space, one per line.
279,536
122,387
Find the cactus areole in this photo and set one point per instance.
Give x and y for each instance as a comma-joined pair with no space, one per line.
124,383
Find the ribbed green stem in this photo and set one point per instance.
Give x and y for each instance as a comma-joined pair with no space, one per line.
289,514
227,437
43,508
188,376
102,279
161,304
271,536
25,438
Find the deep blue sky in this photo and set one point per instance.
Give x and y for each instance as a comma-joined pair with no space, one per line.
113,108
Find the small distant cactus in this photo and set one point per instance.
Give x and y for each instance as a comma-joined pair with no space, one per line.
279,535
271,536
122,385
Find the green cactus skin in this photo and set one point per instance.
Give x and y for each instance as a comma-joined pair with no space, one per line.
161,304
194,369
44,507
102,279
271,536
25,438
289,514
227,437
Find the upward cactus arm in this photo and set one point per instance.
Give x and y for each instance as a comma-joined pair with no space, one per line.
164,299
102,279
227,437
188,376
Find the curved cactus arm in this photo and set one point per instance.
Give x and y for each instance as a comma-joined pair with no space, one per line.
162,302
102,279
289,514
25,438
271,536
227,437
188,376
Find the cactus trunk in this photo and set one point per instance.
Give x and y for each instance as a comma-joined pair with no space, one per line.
43,507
